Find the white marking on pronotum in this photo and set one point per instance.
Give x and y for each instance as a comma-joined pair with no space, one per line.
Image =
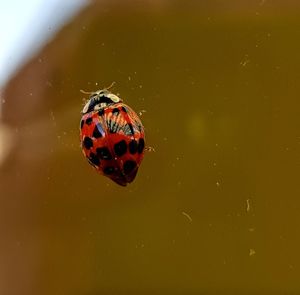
86,107
113,97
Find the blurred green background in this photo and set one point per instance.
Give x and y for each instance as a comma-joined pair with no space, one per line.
214,210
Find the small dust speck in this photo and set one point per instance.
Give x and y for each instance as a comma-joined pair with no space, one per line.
244,62
262,2
252,252
187,216
248,208
141,112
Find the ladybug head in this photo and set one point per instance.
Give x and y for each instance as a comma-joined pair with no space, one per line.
99,99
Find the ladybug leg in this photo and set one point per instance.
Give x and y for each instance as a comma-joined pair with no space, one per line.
141,112
149,149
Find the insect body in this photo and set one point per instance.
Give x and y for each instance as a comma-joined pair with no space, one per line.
112,137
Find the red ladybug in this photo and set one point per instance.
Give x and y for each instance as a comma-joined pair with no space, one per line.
112,136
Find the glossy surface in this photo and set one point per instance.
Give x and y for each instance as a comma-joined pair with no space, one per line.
112,139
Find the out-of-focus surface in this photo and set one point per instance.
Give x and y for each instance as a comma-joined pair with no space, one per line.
26,26
215,210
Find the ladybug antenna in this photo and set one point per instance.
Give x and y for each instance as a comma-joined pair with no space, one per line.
110,86
86,92
96,92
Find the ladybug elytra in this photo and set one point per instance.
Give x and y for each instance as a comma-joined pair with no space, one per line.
112,136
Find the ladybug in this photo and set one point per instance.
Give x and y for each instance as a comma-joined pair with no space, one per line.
112,136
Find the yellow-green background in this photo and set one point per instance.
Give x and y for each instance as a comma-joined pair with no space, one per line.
215,209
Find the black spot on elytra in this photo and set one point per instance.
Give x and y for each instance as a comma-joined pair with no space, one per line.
94,159
103,153
101,112
141,145
120,148
108,170
96,132
124,109
133,146
81,123
88,142
115,111
89,121
129,166
131,128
